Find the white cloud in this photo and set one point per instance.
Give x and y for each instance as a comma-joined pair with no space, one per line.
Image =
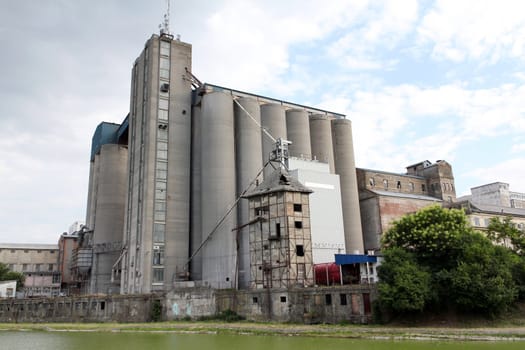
518,148
509,171
377,27
398,125
482,30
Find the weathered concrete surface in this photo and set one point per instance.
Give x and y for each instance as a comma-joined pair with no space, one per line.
122,308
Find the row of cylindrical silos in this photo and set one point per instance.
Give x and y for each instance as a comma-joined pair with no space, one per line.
229,150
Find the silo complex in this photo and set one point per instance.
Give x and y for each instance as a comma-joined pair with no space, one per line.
192,149
218,189
298,131
321,140
273,120
248,165
345,168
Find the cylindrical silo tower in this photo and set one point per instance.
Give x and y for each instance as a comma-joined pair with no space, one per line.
108,222
298,131
273,119
218,189
321,139
196,221
248,165
345,168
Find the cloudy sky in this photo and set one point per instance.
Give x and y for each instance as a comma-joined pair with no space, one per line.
419,80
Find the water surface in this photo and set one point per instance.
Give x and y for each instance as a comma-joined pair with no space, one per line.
15,340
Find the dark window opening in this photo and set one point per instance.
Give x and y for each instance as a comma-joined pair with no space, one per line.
227,279
102,305
299,250
283,299
328,299
297,207
398,185
277,234
343,299
298,224
423,189
255,301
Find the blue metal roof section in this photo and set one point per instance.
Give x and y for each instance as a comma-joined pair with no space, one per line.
123,129
345,259
105,133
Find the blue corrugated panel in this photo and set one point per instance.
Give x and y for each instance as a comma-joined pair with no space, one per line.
104,133
345,259
123,128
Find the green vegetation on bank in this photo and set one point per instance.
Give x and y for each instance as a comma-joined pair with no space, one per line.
8,275
280,329
435,262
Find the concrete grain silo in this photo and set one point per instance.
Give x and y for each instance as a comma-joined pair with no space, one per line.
298,131
273,119
196,220
218,189
345,168
110,175
248,165
321,139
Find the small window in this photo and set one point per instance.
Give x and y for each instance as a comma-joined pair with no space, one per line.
158,275
385,184
298,224
25,251
423,189
328,299
476,222
297,207
283,299
37,267
343,299
398,185
299,250
372,182
255,300
411,186
102,305
24,267
50,267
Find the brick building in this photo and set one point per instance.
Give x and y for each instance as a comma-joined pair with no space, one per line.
39,264
385,196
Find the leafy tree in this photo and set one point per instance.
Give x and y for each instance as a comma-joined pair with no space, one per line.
504,232
403,286
8,275
455,266
483,281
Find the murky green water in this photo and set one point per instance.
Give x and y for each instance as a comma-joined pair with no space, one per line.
13,340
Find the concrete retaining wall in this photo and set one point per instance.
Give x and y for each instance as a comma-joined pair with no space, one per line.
122,308
334,304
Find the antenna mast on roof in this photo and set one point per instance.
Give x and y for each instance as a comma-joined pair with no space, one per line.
165,26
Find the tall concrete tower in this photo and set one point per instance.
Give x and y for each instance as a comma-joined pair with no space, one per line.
156,232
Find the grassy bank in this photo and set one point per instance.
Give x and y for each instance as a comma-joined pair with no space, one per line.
249,328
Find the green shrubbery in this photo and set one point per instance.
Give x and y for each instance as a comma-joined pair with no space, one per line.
434,261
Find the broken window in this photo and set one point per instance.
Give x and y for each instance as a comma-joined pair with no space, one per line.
298,224
297,207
